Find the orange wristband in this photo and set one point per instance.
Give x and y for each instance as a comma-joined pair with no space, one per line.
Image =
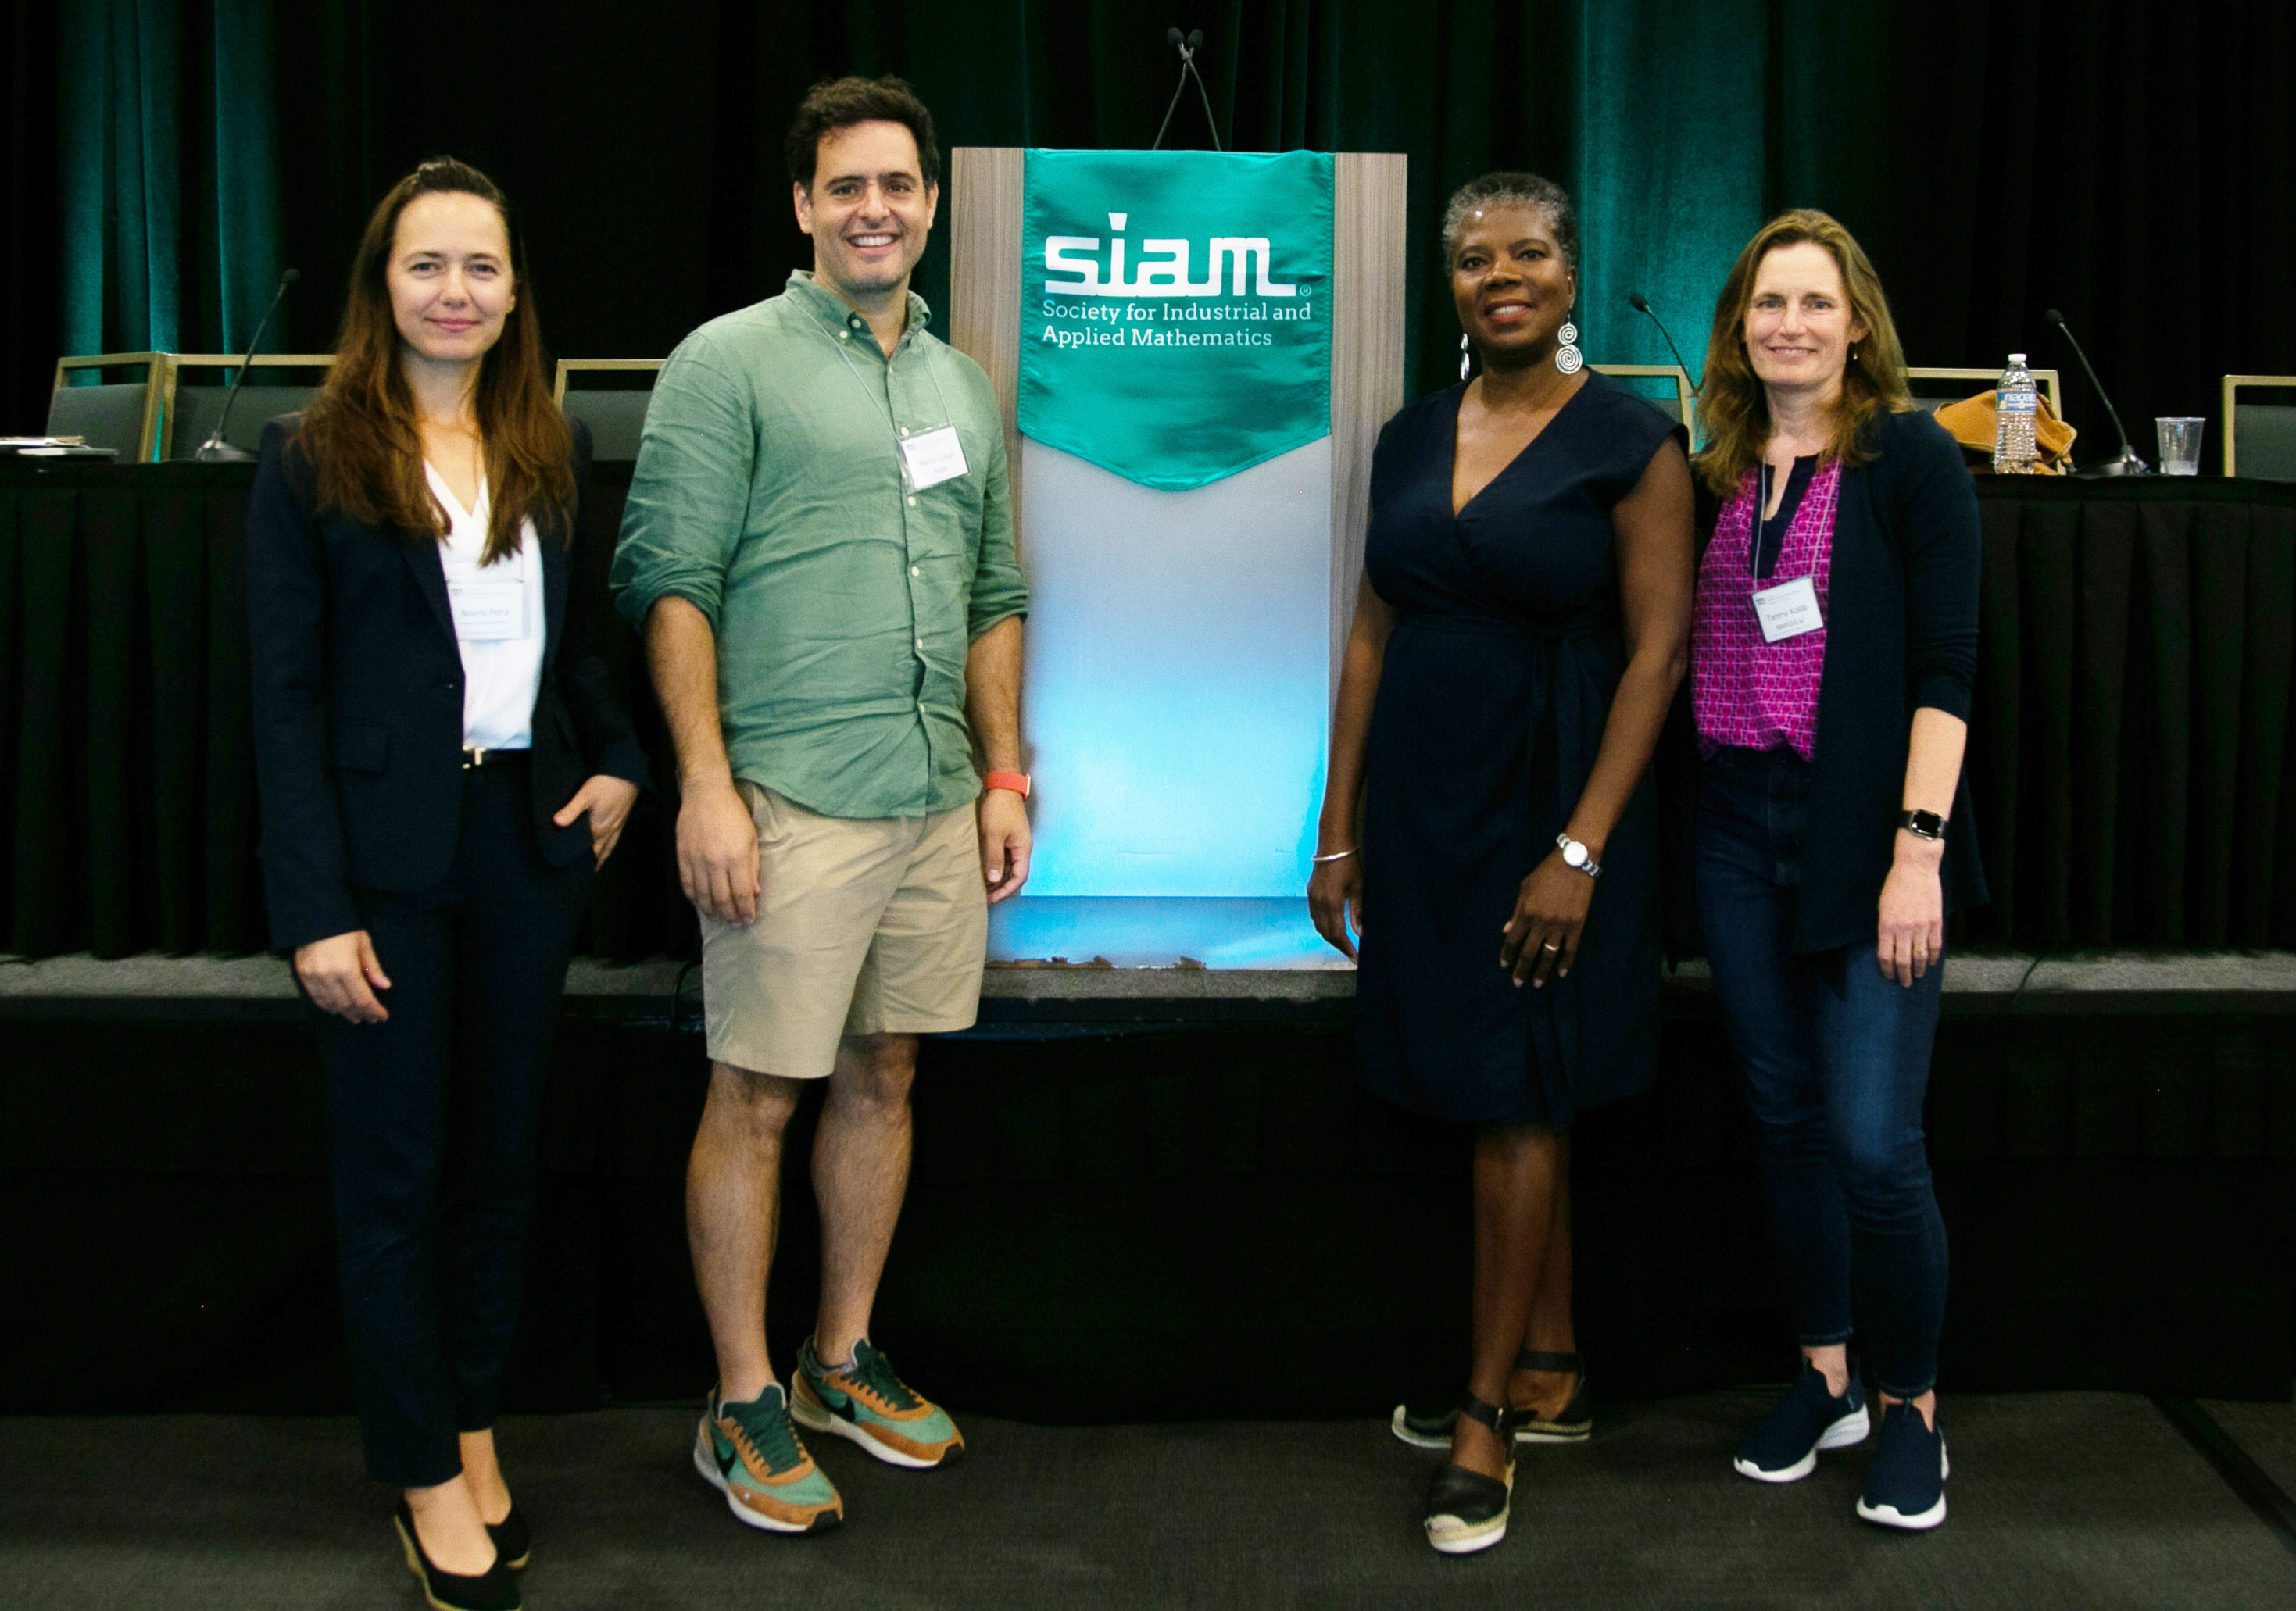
1016,781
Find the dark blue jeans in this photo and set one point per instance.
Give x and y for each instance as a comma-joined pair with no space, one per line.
1836,1057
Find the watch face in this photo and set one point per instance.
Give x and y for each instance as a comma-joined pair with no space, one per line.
1574,854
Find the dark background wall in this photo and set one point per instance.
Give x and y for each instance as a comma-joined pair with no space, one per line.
2129,163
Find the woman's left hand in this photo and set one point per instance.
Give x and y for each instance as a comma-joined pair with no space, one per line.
1912,938
1550,910
608,800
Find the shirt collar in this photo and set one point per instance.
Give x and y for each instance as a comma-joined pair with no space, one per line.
836,314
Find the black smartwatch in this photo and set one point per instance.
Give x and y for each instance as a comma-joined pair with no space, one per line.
1923,824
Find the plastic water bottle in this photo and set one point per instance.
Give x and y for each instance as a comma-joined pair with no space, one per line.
2017,407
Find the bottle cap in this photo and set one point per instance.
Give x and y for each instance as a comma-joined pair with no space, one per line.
2016,357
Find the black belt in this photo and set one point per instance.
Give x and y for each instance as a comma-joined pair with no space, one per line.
495,766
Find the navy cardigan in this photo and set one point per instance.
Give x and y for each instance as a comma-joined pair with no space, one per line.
1900,634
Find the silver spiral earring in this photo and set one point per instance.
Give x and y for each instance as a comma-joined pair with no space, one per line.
1464,358
1568,358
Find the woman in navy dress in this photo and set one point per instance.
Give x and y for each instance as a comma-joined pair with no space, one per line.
1521,629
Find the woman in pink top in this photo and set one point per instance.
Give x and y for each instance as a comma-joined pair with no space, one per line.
1835,643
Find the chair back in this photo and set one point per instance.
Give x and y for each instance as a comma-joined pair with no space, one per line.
1675,399
2259,437
122,415
615,408
190,412
1934,396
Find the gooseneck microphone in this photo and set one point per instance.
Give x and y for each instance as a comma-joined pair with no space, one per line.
215,450
1641,304
2128,463
1187,47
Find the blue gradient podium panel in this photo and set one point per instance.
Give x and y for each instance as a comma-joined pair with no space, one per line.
1179,663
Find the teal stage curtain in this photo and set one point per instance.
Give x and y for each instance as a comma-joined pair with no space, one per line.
2129,164
169,193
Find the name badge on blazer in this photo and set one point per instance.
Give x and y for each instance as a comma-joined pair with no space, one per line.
488,612
1789,609
932,457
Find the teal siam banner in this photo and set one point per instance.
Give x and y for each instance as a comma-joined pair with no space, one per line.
1176,309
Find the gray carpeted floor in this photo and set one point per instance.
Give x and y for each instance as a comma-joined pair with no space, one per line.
2072,1499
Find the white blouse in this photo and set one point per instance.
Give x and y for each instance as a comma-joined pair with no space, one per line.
499,623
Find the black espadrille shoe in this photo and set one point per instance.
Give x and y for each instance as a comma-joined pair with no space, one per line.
1574,1423
512,1543
1467,1511
493,1589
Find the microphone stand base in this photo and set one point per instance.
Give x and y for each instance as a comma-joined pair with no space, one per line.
2127,465
223,453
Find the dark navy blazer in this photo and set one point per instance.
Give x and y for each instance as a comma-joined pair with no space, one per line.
358,702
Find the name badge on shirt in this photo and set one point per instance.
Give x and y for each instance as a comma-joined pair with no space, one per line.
1789,609
488,612
933,457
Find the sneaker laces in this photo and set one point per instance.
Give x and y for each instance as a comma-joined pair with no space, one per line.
873,1370
766,1429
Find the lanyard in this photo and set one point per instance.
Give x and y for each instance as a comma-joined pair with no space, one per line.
883,408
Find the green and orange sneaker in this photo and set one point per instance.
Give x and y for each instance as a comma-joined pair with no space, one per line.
751,1454
866,1403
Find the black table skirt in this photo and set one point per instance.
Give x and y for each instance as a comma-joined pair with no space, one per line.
2132,764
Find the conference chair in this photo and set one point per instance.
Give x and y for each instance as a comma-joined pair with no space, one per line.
2260,438
1974,380
1677,408
615,412
188,413
122,415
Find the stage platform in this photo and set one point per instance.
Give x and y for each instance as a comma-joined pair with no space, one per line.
2072,1500
1126,1180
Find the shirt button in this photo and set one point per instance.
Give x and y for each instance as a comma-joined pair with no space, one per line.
921,642
914,571
912,502
905,431
845,335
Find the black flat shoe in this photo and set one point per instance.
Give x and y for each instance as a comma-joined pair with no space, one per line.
493,1589
512,1543
1465,1510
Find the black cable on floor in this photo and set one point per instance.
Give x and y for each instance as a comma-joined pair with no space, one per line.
2243,1474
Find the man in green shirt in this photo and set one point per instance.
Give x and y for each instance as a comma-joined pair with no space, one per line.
818,549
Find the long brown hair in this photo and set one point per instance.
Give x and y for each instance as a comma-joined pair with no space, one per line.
1734,409
360,432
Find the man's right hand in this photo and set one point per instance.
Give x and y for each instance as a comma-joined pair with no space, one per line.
718,866
340,975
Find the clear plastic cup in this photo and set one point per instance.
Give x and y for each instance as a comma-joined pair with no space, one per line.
2180,444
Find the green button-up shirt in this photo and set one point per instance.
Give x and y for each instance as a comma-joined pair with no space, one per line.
770,492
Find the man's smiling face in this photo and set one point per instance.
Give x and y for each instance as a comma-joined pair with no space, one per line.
868,211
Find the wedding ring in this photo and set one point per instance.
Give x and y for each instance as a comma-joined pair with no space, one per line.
1550,947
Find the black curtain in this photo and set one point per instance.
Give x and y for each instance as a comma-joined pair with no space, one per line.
2127,163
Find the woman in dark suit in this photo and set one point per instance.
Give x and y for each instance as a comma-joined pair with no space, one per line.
1835,649
1518,640
441,769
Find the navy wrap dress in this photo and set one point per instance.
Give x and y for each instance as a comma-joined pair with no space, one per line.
1492,701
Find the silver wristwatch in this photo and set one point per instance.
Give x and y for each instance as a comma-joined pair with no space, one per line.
1575,854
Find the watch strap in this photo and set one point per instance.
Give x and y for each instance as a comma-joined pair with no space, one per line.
1017,781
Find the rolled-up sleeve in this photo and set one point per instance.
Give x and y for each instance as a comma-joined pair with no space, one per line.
999,591
689,493
1943,542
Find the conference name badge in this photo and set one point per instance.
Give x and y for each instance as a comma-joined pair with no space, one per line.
488,612
1789,609
933,457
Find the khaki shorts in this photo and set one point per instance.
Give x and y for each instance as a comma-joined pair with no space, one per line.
872,926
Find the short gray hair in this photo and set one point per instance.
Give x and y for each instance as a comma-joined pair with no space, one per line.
1513,190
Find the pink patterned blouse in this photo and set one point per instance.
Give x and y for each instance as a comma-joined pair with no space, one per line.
1746,694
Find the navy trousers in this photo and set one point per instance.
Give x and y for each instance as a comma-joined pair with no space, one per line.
1836,1059
430,1130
